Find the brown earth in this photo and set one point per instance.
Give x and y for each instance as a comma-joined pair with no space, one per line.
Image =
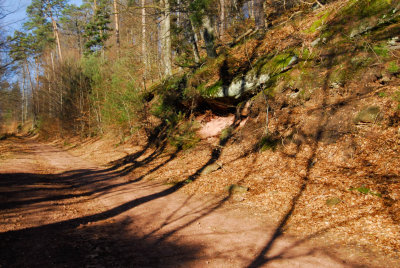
151,208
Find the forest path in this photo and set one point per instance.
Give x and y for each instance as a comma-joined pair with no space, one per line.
57,210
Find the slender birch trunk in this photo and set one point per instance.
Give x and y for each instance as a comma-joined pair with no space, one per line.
222,18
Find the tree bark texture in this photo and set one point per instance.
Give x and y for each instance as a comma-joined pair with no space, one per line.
209,38
259,15
116,26
166,48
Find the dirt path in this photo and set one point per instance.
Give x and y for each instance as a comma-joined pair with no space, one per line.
57,210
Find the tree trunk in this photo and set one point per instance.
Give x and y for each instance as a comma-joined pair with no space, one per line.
55,29
259,15
78,34
208,36
178,13
144,50
166,37
222,19
33,94
193,41
251,9
37,68
23,97
116,26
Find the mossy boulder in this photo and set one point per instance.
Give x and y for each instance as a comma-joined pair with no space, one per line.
368,115
261,74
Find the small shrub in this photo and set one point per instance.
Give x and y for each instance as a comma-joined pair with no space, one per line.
187,181
268,142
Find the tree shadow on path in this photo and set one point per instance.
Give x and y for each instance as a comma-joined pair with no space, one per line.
86,239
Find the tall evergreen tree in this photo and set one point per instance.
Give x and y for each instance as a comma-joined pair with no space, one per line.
97,30
42,22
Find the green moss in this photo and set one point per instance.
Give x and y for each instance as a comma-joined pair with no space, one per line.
276,64
367,115
322,17
225,134
396,96
306,54
372,7
210,91
361,61
210,66
381,50
365,190
333,201
393,67
327,34
339,75
268,142
366,8
381,94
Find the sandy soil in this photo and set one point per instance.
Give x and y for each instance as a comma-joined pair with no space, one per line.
58,210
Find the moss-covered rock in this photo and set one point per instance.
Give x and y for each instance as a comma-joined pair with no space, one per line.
368,115
261,74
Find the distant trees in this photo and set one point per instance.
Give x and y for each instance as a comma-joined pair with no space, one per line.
10,103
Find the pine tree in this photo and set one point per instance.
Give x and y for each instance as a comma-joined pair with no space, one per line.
42,22
97,30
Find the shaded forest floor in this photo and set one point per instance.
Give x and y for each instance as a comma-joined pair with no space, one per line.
157,207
